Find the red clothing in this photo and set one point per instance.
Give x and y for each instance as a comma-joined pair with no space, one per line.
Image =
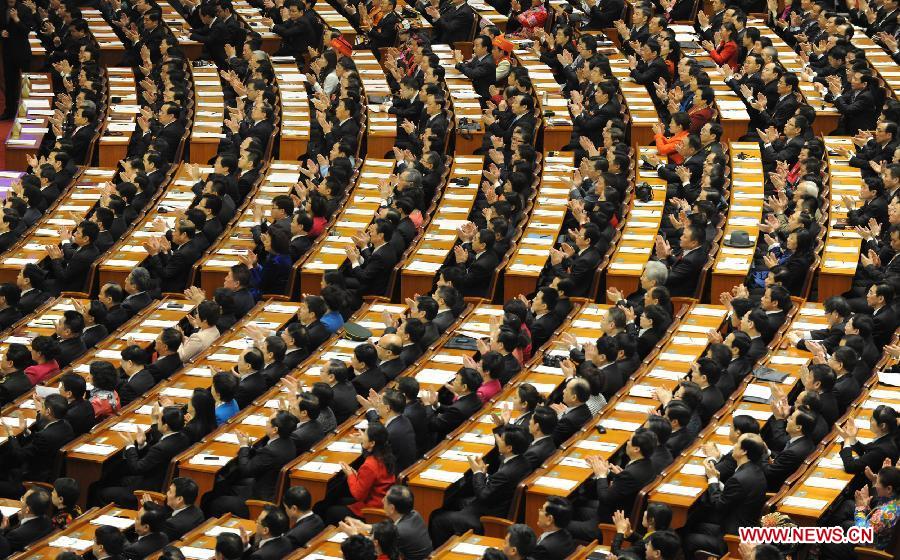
370,484
40,372
488,390
726,54
669,146
699,117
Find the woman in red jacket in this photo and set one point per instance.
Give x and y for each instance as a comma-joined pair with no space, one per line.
727,51
679,128
368,485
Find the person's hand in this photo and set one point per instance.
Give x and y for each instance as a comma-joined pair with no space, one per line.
429,398
781,409
712,450
663,249
195,294
663,395
599,465
622,523
711,471
614,295
559,408
770,260
348,470
140,437
862,498
54,252
477,464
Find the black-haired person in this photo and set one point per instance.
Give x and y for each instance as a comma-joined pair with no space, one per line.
168,360
33,448
44,351
251,383
238,281
270,274
370,268
858,456
309,313
306,408
493,494
443,419
64,496
34,522
305,523
269,540
183,514
555,541
94,315
31,280
653,323
573,412
109,542
171,263
477,262
256,475
137,380
736,503
148,528
72,263
615,490
657,517
12,367
223,390
9,299
147,456
368,376
206,330
788,436
68,331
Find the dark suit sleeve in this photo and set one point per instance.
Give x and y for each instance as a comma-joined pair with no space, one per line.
728,498
487,487
260,463
70,270
154,458
617,492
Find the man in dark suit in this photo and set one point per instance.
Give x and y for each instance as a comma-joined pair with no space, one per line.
269,540
311,310
172,268
573,411
453,23
879,149
137,379
308,432
184,516
147,457
256,474
296,35
16,23
788,150
166,347
684,270
605,12
82,135
251,383
477,264
443,419
590,119
68,333
94,316
79,412
555,541
388,409
305,524
736,503
501,126
15,383
213,35
480,68
785,103
301,241
9,299
344,129
238,281
788,437
148,527
29,280
858,108
33,450
337,375
651,68
492,494
618,493
36,509
369,376
880,298
541,426
71,264
384,33
273,349
369,269
545,321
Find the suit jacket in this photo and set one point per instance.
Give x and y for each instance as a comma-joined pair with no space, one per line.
449,417
316,334
661,458
859,111
392,368
274,549
116,316
539,451
262,464
273,373
477,275
26,533
147,467
454,25
93,335
619,491
371,379
787,461
685,271
846,389
145,546
443,320
418,417
403,441
164,367
13,386
31,300
173,270
243,302
494,493
348,132
885,323
414,542
184,521
542,329
250,388
646,74
482,72
135,303
37,452
781,150
72,271
861,455
556,545
344,403
70,350
570,422
739,502
9,316
304,530
135,387
307,435
679,441
80,416
779,113
81,141
375,272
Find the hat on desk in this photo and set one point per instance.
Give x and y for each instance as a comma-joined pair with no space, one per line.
503,43
739,238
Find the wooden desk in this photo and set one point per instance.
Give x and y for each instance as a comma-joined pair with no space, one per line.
468,546
123,110
842,246
557,128
464,102
639,233
204,536
744,214
111,48
69,210
32,121
381,127
295,112
543,227
209,115
635,96
361,208
81,528
278,179
417,275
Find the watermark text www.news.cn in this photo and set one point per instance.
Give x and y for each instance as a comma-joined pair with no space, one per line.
806,535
